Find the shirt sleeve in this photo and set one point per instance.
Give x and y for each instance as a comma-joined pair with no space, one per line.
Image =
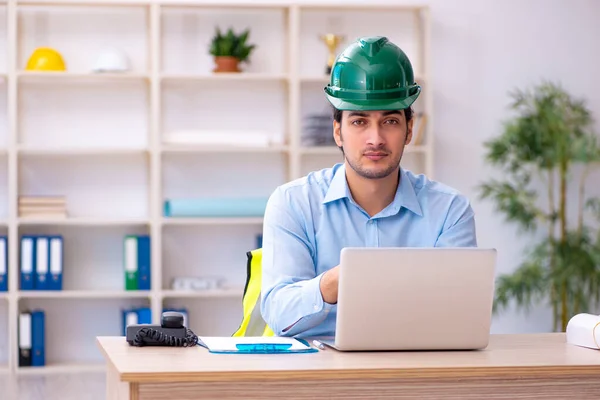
459,227
290,293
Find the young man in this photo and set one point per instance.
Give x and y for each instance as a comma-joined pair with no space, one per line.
368,200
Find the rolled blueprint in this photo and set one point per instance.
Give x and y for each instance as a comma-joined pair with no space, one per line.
216,207
584,330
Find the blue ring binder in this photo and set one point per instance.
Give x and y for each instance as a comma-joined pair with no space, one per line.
263,347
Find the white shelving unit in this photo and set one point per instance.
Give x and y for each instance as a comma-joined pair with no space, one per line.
98,140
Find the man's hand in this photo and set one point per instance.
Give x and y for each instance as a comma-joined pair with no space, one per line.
329,285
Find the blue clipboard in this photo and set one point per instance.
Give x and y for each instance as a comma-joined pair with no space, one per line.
263,348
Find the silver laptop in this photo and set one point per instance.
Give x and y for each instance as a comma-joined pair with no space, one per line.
414,299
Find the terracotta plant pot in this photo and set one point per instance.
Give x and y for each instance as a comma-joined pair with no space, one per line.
226,64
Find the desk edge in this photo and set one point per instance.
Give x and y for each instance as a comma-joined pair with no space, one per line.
108,362
361,374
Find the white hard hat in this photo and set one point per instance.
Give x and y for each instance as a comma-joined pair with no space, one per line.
111,60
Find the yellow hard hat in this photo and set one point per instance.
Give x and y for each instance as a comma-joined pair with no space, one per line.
45,59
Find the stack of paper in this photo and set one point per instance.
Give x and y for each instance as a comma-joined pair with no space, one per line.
246,138
42,207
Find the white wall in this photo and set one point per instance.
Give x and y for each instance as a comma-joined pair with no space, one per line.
481,49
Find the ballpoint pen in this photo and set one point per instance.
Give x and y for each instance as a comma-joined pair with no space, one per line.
319,344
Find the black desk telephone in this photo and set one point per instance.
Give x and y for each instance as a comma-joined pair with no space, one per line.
170,332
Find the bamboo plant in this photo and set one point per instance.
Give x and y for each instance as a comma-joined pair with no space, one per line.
548,147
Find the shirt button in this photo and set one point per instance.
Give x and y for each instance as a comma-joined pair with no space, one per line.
316,307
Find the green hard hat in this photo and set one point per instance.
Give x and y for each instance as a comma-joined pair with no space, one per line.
372,74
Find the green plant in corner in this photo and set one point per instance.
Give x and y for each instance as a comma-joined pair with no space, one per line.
230,49
549,143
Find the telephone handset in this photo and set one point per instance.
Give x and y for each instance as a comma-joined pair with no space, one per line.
170,332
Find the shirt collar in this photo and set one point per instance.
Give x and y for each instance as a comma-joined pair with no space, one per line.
338,188
405,194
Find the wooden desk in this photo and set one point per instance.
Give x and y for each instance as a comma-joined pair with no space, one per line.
513,366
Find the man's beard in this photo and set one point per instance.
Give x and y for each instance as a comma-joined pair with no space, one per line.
378,174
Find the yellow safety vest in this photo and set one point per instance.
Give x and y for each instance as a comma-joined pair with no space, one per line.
252,323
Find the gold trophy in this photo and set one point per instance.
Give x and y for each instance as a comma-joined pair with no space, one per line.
332,41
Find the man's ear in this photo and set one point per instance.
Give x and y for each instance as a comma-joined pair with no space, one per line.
409,131
337,133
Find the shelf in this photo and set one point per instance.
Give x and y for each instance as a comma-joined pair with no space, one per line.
315,79
186,30
83,294
108,143
98,191
215,108
79,151
324,79
332,150
223,76
226,148
62,369
83,221
326,150
122,127
91,3
65,77
231,5
416,149
213,293
367,6
212,221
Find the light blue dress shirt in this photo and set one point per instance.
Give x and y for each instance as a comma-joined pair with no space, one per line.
309,220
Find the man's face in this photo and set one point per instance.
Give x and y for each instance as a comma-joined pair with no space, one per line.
373,141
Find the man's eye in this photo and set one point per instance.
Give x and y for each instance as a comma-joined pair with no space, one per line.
357,122
391,121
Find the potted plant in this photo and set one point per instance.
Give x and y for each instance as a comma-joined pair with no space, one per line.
546,148
230,49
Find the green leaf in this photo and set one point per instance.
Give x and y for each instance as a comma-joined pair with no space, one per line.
516,202
526,286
